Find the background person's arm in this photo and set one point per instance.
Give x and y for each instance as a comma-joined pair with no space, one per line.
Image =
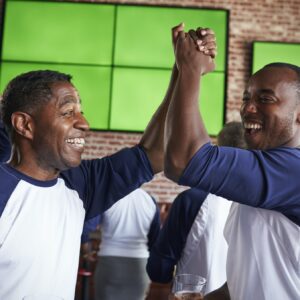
171,242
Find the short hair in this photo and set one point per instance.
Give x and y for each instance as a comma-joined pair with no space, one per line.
292,67
28,91
232,135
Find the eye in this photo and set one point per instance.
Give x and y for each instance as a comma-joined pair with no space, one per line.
246,98
264,99
68,113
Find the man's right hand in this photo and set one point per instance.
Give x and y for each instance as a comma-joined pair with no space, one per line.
189,58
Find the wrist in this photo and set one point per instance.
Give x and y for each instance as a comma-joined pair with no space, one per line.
189,70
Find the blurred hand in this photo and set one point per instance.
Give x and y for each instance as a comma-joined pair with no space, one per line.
188,56
90,256
175,32
204,38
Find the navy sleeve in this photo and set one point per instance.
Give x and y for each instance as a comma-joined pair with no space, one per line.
89,226
266,179
8,183
5,147
155,227
168,247
102,182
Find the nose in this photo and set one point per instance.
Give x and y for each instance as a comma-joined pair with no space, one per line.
249,107
81,122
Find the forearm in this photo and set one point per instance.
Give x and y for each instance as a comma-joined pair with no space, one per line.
185,132
220,294
153,138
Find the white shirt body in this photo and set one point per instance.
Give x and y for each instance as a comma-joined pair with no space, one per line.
263,260
125,226
26,250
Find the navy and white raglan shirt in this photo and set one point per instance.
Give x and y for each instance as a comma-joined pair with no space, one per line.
263,227
192,240
5,151
41,221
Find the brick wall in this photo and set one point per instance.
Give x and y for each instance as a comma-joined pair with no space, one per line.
269,20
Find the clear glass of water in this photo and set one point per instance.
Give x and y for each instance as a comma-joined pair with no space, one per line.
188,287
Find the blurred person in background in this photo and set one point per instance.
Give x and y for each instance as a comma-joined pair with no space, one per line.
128,230
191,240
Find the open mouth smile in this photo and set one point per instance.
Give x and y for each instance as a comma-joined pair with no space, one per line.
252,127
76,142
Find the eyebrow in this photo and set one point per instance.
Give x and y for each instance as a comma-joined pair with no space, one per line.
268,91
67,100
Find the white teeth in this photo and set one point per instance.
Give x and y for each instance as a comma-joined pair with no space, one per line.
252,126
77,141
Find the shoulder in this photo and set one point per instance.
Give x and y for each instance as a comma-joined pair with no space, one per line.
8,184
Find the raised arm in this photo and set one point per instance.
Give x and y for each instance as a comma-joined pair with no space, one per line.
185,132
153,138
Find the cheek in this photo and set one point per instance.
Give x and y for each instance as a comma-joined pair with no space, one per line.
285,127
242,108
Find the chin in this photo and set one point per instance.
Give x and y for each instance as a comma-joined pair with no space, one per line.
70,164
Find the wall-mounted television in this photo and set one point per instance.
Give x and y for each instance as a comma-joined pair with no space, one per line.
120,56
269,52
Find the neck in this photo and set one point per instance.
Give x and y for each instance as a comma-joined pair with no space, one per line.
30,167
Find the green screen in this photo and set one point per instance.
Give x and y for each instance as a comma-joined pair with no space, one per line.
145,33
212,101
268,52
58,32
138,92
91,82
120,56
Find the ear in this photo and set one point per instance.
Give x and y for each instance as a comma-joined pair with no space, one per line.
22,124
298,115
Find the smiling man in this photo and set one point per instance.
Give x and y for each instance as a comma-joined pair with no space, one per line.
263,227
47,192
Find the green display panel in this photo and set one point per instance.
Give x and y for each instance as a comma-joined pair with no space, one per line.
120,56
93,84
268,52
138,92
143,34
212,101
58,32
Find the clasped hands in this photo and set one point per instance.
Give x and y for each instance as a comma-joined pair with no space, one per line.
194,50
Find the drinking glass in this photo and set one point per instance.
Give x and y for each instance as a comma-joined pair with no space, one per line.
188,287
